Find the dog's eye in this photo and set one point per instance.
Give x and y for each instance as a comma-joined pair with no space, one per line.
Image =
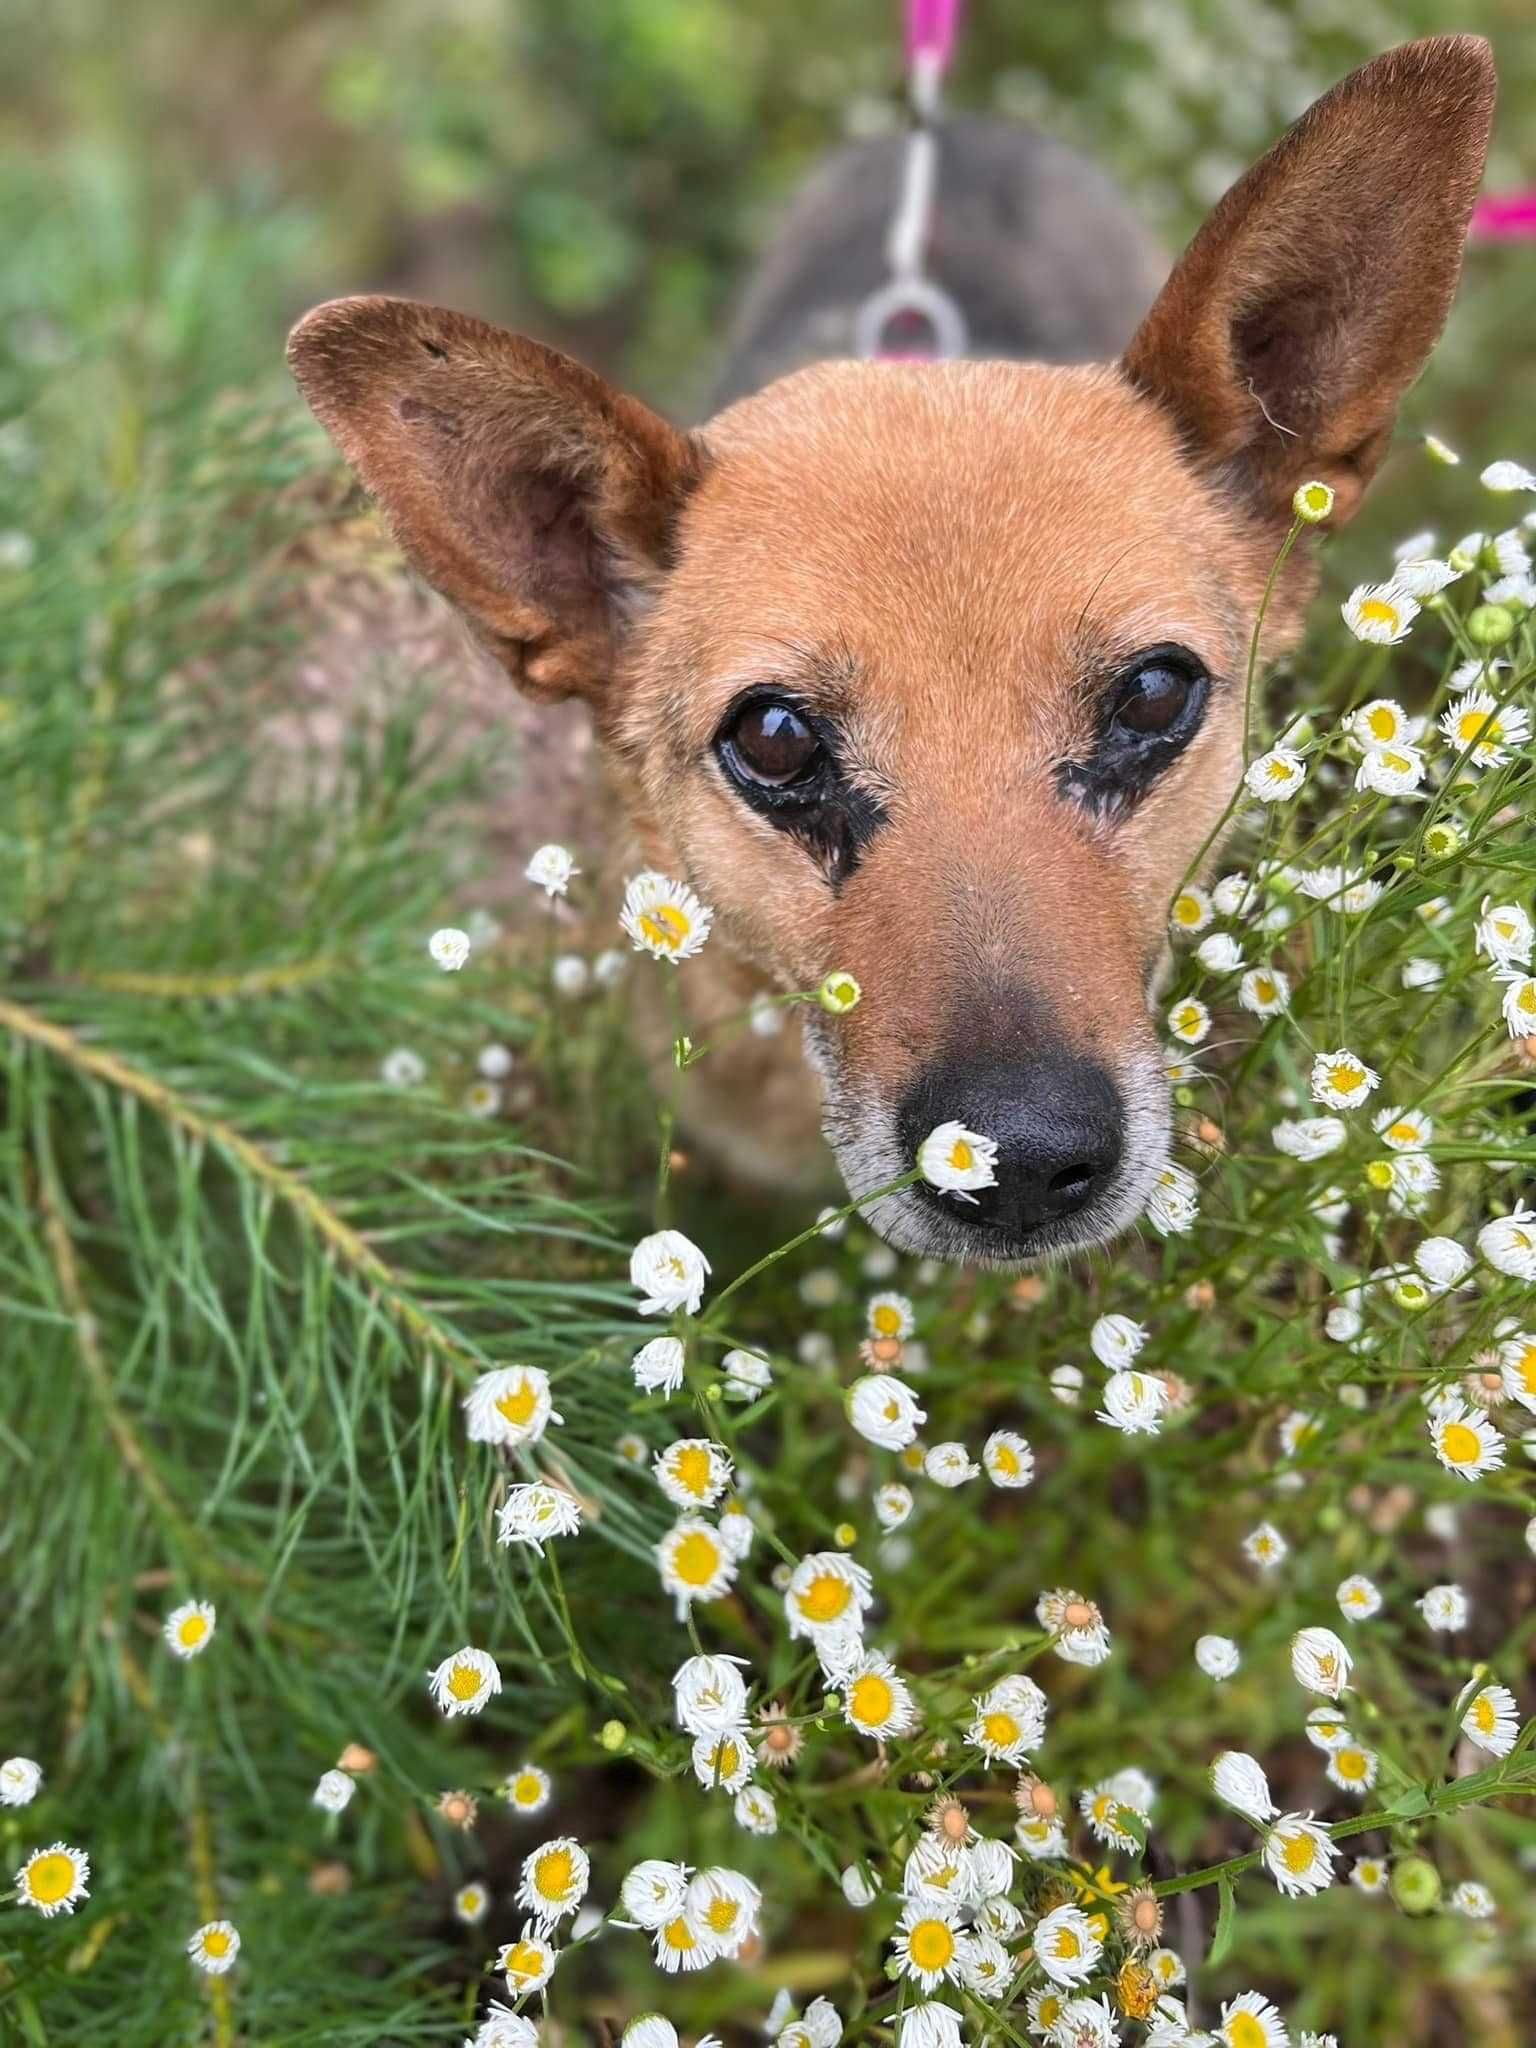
768,742
1154,698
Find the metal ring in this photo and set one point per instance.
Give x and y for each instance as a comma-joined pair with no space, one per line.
909,295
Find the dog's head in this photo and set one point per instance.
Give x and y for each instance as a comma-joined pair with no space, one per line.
936,673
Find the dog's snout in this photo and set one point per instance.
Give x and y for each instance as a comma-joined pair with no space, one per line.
1058,1122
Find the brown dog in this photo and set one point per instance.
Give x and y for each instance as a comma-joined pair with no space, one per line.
934,672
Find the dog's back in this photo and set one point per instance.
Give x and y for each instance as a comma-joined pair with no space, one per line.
1034,245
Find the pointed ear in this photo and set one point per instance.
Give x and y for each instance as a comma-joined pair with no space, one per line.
1310,299
538,500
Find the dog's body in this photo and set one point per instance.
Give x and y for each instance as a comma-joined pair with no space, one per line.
934,672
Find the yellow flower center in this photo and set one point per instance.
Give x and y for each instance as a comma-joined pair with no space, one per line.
721,1915
215,1942
696,1559
553,1875
1403,1132
692,1470
886,1320
1068,1945
517,1406
1279,771
1347,1079
1379,1174
1186,910
1382,723
1350,1763
1264,988
1459,1445
665,925
526,1790
1483,1716
1298,1853
1050,2010
1375,611
1001,1730
825,1598
1525,1002
1244,2031
524,1961
677,1934
50,1879
1474,727
726,1758
192,1631
464,1681
1187,1019
931,1945
1006,1459
871,1699
961,1157
1527,1368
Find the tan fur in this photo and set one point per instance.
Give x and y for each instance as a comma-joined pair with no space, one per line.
948,560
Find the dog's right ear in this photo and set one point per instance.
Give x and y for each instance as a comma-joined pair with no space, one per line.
539,500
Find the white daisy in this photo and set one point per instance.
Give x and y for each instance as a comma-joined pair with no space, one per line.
1309,1138
654,1891
949,1464
956,1160
1010,1462
528,1789
1380,613
1490,1717
1445,1608
1504,932
54,1880
1517,1369
1218,1656
1065,1946
1115,1341
709,1695
535,1513
755,1811
1299,1856
529,1962
1265,1546
1264,991
727,1905
1189,1020
747,1374
509,1406
1320,1661
1251,2022
551,869
1077,1625
664,918
694,1563
1473,1901
1134,1402
1173,1207
1275,777
884,1411
1191,910
929,2025
1477,727
1507,476
693,1472
1341,1080
1008,1719
214,1947
1465,1441
1519,1005
1352,1768
826,1591
333,1793
1238,1781
1358,1597
877,1700
20,1781
723,1763
669,1270
1368,1874
893,1504
449,948
465,1682
658,1366
1390,771
1508,1243
554,1880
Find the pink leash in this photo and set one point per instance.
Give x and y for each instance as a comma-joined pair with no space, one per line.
910,318
1505,217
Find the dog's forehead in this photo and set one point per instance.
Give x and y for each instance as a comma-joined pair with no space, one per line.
881,512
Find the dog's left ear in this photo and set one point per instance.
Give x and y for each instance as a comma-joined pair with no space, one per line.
538,499
1310,299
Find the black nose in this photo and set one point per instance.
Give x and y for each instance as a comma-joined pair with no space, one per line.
1058,1122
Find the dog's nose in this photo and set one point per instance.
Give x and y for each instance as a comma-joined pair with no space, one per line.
1058,1122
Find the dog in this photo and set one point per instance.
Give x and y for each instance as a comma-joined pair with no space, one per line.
934,672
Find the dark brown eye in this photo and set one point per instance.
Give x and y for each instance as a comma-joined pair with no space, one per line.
769,742
1153,699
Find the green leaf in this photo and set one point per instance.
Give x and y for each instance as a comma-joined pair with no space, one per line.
1226,1924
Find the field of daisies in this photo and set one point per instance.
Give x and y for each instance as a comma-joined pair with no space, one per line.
462,1597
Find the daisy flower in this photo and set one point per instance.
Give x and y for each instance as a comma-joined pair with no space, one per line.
1105,1816
1067,1384
20,1781
893,1504
1519,1005
693,1472
654,1891
54,1880
569,975
1076,1623
1309,1138
1517,1367
664,918
1341,1080
987,1968
949,1464
333,1793
1358,1597
1009,1719
509,1406
658,1366
826,1591
723,1763
755,1811
1189,1020
1504,932
1167,1967
449,948
1134,1402
534,1513
1381,723
1264,991
1404,1130
465,1682
890,1315
694,1563
214,1947
1390,771
884,1411
727,1905
1325,1729
1173,1207
188,1629
1352,1768
551,869
746,1375
1475,1901
1380,613
927,1945
1251,2022
938,1868
1087,2023
1010,1462
554,1880
1368,1874
1115,1341
1217,1656
1491,1718
928,2025
529,1962
1312,502
956,1160
1507,476
709,1695
1276,776
669,1270
1191,911
1219,954
1320,1661
1508,1243
1465,1441
1477,727
1265,1547
402,1068
877,1701
1238,1781
1065,1945
1042,1839
528,1789
1299,1856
